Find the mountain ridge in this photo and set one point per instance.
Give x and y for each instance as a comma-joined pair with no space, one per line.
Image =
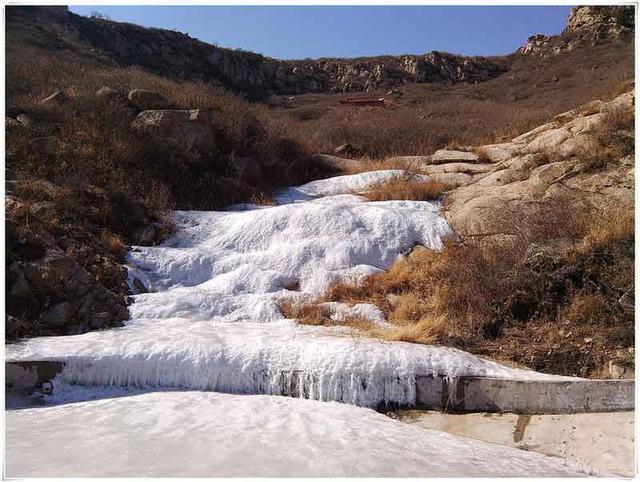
178,55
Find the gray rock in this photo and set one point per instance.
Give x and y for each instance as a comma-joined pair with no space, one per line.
20,288
489,205
452,179
444,156
147,99
80,283
25,120
59,314
63,266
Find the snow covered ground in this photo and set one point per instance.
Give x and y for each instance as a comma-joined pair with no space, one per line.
211,320
193,434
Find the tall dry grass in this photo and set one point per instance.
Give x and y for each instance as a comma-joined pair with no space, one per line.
406,188
96,144
468,293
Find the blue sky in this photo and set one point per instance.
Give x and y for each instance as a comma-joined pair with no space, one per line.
295,32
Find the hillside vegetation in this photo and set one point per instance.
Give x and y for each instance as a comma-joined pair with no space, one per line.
542,272
102,144
427,117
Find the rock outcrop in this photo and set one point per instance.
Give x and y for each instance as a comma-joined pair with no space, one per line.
583,156
64,272
177,55
587,25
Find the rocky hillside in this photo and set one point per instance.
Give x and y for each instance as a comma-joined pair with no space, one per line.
174,54
590,25
541,270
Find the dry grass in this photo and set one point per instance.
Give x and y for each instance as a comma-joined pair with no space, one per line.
483,155
406,188
366,164
473,295
431,116
306,313
114,244
96,144
604,231
314,314
585,308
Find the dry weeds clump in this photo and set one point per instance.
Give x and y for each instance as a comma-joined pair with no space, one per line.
312,314
406,188
483,155
114,244
585,308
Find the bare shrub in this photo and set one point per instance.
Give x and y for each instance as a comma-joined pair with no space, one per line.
97,145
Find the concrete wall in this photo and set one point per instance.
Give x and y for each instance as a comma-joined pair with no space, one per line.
465,394
470,394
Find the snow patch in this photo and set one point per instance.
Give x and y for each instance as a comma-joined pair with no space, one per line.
199,434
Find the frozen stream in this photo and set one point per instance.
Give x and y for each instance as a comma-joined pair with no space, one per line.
139,401
211,321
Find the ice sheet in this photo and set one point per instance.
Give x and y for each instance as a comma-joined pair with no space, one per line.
211,320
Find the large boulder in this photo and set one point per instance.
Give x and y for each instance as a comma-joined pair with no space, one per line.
549,166
59,314
113,96
337,163
147,99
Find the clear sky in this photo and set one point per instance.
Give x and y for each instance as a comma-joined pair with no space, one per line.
295,32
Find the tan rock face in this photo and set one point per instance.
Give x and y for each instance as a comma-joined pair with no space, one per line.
585,25
444,156
611,19
547,165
